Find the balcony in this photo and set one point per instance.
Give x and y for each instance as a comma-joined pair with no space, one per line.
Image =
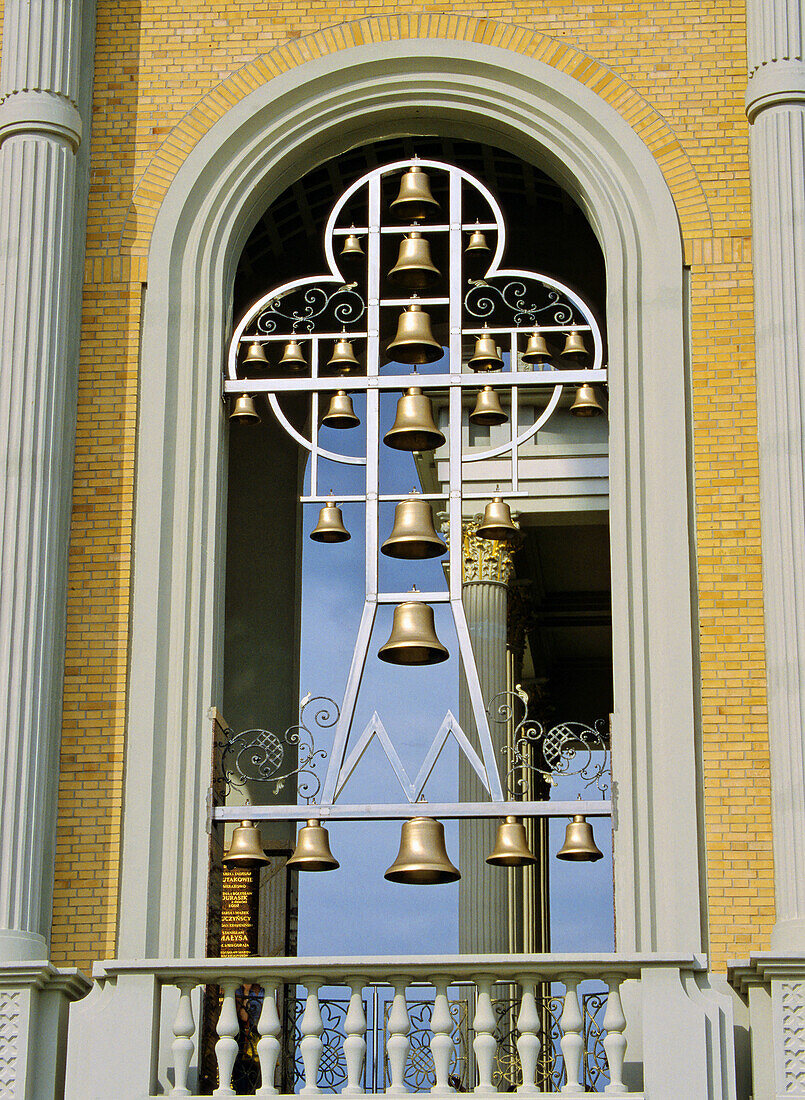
625,1025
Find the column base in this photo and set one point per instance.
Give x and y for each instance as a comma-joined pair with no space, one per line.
21,946
34,1001
788,936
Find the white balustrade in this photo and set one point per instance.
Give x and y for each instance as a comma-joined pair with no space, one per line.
441,1043
355,1041
311,1028
268,1045
484,1044
184,1028
228,1029
615,1040
398,1044
481,981
528,1042
572,1042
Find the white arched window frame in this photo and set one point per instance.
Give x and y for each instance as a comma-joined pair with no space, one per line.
246,160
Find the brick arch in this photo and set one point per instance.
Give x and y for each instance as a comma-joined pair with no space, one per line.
645,120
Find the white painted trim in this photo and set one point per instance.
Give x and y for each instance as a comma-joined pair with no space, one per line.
258,148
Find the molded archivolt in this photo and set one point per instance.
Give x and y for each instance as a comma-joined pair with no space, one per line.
648,124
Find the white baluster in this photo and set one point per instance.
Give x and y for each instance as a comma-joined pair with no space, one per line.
226,1049
184,1028
528,1041
398,1044
355,1042
484,1042
572,1043
441,1043
311,1028
268,1045
615,1040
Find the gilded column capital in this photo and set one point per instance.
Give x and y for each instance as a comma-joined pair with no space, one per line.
483,559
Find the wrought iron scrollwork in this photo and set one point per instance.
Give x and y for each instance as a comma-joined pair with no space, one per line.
537,749
261,756
306,308
520,302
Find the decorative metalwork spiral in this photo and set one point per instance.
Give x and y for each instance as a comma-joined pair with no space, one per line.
303,308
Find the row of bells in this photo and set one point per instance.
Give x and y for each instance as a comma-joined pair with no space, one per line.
413,534
415,267
414,344
414,428
422,859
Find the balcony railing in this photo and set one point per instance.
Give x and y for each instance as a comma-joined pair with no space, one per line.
538,1024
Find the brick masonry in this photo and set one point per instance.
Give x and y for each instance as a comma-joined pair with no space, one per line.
165,71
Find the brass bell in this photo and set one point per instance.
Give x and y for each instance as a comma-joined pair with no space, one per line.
256,354
244,410
586,403
579,842
487,409
312,851
340,413
497,522
352,246
536,349
246,849
293,356
487,355
330,527
413,638
414,267
414,428
413,535
414,201
343,358
477,243
422,859
574,345
511,846
414,341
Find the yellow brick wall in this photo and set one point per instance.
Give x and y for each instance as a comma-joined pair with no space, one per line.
164,69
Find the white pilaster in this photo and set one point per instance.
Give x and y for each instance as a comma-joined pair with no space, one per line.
40,265
776,110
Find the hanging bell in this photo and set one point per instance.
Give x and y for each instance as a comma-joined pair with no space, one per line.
476,244
413,535
414,267
256,355
497,522
579,842
312,851
574,345
293,357
414,341
246,849
340,413
414,201
511,846
422,859
330,527
413,638
343,358
536,349
486,356
352,246
586,403
414,428
244,411
487,409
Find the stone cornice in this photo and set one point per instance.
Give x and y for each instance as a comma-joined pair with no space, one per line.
43,975
774,84
39,113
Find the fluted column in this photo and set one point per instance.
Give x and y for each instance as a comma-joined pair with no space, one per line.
40,266
483,891
776,110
